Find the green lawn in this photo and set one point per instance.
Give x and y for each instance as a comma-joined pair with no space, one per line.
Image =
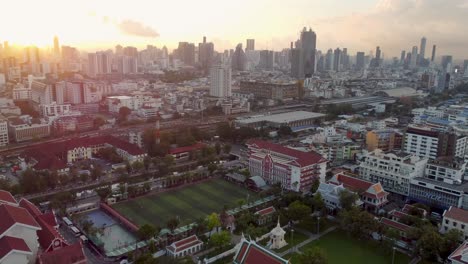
189,203
343,249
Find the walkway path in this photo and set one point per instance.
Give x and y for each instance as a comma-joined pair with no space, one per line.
311,238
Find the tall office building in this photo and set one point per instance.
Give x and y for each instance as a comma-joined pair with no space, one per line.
186,53
103,62
92,64
296,63
446,63
56,47
360,60
238,59
266,60
337,59
329,60
308,46
422,50
402,57
250,44
205,54
465,68
345,59
433,53
378,54
118,50
414,56
220,80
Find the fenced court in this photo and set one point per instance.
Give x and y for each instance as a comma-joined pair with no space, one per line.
188,203
114,236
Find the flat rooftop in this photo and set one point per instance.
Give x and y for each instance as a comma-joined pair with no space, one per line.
281,118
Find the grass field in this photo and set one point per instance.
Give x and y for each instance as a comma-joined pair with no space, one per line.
343,249
189,203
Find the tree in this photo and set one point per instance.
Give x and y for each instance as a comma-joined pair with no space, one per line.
146,162
357,223
98,122
137,165
147,231
315,185
172,223
313,255
254,231
227,148
428,244
218,148
298,210
124,112
284,131
319,204
221,239
103,192
451,241
244,220
348,199
96,172
168,160
213,221
212,167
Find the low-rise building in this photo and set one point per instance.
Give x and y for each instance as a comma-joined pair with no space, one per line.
20,130
293,169
460,255
4,139
185,247
294,119
455,218
393,170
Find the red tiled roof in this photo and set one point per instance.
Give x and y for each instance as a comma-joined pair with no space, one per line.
398,214
32,209
353,183
457,255
196,146
184,243
71,254
11,215
457,214
302,158
47,235
251,253
266,211
7,197
49,218
8,244
53,156
408,207
394,224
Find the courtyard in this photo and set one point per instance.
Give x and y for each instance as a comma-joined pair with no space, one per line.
187,204
341,248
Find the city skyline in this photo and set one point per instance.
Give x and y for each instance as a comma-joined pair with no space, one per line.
394,25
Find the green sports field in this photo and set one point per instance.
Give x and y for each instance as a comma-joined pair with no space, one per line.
189,203
341,248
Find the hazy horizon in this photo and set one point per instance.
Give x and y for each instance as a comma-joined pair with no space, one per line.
394,25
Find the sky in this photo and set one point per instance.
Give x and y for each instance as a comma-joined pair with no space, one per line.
359,25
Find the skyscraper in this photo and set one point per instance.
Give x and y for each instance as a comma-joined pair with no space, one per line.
205,54
92,64
337,59
308,46
446,63
377,56
266,60
56,47
422,50
402,57
414,56
250,44
360,60
296,63
238,59
186,53
345,58
220,81
329,60
433,53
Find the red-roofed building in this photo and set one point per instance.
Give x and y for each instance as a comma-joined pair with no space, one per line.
408,209
400,227
293,169
55,156
14,250
184,247
460,255
455,218
249,252
72,254
371,194
17,222
7,198
265,215
183,153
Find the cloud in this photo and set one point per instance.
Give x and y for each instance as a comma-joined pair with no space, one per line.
135,28
397,25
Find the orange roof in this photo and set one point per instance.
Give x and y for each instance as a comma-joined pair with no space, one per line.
457,214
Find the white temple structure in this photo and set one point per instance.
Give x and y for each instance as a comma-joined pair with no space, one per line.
277,237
